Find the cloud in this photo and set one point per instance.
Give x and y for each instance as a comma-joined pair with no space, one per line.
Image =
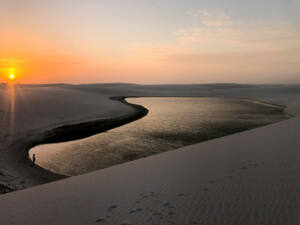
218,32
217,19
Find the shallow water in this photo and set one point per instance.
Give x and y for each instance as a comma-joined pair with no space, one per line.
171,123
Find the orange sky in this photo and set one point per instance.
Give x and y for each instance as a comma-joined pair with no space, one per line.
95,42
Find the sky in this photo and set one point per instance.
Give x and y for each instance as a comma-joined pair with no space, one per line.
150,41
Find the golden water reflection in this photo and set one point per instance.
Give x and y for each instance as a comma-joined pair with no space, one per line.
170,124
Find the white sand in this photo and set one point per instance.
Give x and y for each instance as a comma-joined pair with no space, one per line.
246,178
38,109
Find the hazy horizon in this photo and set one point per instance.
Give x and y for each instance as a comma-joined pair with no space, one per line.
150,42
156,84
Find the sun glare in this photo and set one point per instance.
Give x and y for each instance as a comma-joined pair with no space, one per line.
11,76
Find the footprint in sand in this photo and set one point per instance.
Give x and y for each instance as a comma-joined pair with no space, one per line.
111,208
166,204
100,220
132,211
183,194
135,210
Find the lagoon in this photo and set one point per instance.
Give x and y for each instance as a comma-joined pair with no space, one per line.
172,122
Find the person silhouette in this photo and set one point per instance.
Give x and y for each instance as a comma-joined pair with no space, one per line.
33,159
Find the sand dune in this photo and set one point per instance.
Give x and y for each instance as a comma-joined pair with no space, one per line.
247,178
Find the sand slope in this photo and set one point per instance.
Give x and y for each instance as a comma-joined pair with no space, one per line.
247,178
39,109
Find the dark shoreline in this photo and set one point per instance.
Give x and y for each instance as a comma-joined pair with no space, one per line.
86,129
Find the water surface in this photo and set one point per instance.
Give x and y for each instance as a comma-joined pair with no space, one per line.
171,123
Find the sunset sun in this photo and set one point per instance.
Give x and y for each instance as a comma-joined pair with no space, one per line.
11,76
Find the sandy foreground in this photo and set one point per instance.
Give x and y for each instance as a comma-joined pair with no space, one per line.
247,178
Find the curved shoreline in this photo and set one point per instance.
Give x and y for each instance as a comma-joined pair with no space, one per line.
61,134
82,130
